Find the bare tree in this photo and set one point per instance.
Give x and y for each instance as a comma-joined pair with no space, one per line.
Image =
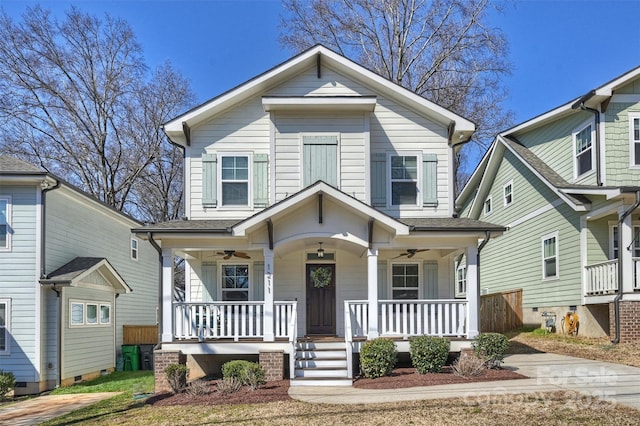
78,100
441,49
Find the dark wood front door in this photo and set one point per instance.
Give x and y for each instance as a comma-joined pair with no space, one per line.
321,299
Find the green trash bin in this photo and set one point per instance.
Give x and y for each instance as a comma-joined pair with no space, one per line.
131,356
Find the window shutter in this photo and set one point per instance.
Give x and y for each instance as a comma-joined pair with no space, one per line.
429,180
260,180
379,179
431,280
209,180
258,281
382,281
320,159
209,282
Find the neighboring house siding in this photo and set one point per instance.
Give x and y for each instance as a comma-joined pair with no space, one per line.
76,228
554,145
617,146
18,282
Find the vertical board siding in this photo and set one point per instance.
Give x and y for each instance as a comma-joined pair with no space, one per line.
18,282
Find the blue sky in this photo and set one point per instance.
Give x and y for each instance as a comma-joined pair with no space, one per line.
559,49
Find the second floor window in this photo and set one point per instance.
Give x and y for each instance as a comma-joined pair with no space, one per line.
5,236
235,180
635,140
487,205
508,194
404,180
583,151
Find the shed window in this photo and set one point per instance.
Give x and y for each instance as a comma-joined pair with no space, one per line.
77,313
105,314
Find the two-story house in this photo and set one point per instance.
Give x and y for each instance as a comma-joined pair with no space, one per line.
566,185
71,275
319,199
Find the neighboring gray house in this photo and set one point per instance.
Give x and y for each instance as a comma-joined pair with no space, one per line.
319,198
566,185
71,274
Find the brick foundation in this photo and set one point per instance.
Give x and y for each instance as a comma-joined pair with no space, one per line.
272,363
629,321
161,359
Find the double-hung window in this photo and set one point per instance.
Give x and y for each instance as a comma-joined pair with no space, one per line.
234,180
134,249
487,205
461,280
615,241
235,283
508,194
5,223
404,180
583,150
634,138
5,315
550,256
404,281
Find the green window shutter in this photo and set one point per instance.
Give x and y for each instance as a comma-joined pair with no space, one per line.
378,179
258,281
260,180
429,180
209,180
382,281
430,280
320,160
209,282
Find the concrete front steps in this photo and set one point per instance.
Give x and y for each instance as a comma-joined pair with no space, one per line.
320,363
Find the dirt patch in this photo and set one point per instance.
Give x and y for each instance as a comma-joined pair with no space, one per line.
408,378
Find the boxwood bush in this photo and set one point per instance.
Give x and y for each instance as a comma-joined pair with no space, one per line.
7,382
428,354
246,372
491,347
378,357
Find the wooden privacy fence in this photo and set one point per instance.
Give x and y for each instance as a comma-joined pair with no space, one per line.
501,312
139,334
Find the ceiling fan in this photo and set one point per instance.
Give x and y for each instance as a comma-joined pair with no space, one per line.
228,253
410,253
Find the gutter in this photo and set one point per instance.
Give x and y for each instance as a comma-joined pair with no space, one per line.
616,301
155,245
580,104
487,237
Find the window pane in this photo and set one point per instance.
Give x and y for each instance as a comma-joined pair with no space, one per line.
550,267
636,147
235,168
3,315
550,247
403,193
636,129
105,314
584,162
77,313
235,194
235,296
405,294
92,314
3,223
404,167
583,140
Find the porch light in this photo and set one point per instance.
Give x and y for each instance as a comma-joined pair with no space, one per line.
320,251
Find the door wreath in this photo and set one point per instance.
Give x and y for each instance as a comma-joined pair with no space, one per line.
321,277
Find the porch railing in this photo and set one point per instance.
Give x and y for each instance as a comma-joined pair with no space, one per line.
602,278
231,320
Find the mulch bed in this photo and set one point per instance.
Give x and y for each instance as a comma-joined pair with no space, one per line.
278,390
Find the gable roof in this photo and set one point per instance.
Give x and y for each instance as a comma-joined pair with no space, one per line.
316,55
72,273
13,165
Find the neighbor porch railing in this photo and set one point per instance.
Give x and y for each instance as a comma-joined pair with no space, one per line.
232,320
602,278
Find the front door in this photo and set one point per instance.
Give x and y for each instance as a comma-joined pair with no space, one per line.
321,299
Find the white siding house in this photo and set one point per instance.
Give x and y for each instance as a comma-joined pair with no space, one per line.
319,202
68,279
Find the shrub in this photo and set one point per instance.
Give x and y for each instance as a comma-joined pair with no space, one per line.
468,366
198,388
491,348
428,354
246,372
378,357
176,376
7,382
229,385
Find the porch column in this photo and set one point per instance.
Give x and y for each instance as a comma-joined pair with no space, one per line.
372,291
625,262
167,295
473,292
268,295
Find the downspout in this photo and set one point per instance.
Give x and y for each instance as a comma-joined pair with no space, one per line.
616,301
155,245
596,114
59,344
487,237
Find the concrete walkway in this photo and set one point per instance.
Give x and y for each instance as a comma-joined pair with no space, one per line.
43,408
546,372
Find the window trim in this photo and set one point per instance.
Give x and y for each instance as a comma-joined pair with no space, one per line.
8,245
85,304
135,249
390,279
557,255
219,180
633,115
574,135
504,193
7,326
488,200
419,190
220,273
